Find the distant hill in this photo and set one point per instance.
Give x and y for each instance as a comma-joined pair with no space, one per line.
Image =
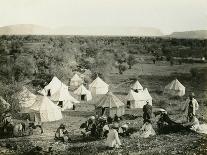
199,34
115,31
24,29
29,29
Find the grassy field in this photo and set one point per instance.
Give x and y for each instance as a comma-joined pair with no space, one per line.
153,77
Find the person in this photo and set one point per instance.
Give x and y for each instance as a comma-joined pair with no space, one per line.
147,112
116,118
105,130
124,128
7,123
145,132
61,133
191,106
113,140
90,127
109,120
193,123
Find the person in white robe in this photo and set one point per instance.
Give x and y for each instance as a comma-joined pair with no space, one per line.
113,140
145,132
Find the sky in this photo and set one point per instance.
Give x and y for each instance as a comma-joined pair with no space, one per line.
166,15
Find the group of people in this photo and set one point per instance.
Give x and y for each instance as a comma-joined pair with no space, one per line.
111,129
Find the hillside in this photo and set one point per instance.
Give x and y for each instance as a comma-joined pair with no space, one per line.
114,31
200,34
29,29
24,29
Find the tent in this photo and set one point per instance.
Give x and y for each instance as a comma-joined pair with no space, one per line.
76,81
52,87
98,86
46,109
3,105
83,93
175,88
138,100
59,94
26,99
110,105
137,87
63,99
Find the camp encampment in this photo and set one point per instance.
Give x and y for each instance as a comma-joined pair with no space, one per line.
83,93
46,109
63,99
98,86
3,104
137,87
26,99
138,100
59,94
76,81
175,88
110,105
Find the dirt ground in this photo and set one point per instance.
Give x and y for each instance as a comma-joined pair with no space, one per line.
175,143
154,78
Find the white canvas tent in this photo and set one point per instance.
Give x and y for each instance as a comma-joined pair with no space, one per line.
59,94
137,87
46,109
76,81
175,88
110,105
26,99
83,93
138,100
3,104
54,85
98,86
63,98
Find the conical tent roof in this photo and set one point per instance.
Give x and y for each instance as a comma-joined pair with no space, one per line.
131,95
63,95
53,86
175,85
140,96
97,83
147,94
26,99
76,78
81,90
137,86
3,103
110,100
47,109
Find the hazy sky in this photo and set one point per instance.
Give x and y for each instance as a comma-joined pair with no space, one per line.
166,15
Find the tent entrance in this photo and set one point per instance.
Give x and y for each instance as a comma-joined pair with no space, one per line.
136,90
83,97
60,104
128,104
48,92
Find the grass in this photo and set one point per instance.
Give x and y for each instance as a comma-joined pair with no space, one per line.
154,77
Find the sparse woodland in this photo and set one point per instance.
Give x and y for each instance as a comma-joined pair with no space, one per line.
34,60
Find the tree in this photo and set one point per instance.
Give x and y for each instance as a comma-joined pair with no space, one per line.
122,67
131,60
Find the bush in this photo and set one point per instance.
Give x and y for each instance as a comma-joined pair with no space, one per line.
194,72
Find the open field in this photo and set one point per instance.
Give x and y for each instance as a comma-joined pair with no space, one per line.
153,77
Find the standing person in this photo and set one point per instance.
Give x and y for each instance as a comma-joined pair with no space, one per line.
191,106
113,140
147,112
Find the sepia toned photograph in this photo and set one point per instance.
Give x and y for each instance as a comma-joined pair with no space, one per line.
103,77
